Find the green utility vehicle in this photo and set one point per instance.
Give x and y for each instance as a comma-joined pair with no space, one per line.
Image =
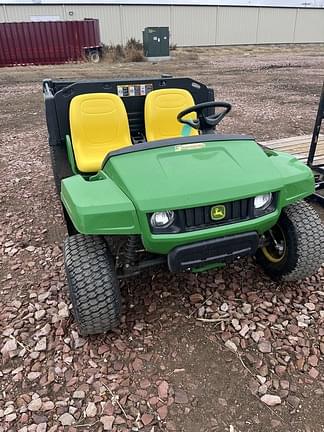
146,181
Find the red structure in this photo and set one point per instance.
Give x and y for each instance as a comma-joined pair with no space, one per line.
53,42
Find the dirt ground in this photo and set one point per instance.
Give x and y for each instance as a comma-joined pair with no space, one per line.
163,369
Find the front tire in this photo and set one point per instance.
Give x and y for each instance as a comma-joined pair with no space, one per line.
93,284
294,249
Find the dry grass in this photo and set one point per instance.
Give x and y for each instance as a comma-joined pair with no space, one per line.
131,52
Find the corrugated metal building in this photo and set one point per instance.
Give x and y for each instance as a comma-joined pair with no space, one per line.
190,24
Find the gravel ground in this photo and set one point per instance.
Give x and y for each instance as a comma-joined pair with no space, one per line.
228,350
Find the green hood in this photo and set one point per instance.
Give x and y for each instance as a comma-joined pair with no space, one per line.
191,175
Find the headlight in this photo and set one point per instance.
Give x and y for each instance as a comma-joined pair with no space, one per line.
162,219
261,202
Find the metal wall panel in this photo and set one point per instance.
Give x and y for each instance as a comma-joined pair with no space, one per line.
136,18
192,25
109,20
189,25
309,25
276,25
237,25
2,13
25,12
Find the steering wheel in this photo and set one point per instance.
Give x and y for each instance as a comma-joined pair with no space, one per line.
203,122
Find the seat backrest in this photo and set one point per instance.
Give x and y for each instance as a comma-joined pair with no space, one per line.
161,110
98,124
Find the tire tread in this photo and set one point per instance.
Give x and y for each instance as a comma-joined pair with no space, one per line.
93,284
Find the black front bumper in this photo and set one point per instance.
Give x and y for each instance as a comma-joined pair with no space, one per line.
220,250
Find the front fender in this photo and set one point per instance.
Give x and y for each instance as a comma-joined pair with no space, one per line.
298,179
98,206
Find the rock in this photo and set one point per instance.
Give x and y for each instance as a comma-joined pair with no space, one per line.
245,330
139,327
137,364
63,310
91,410
41,345
48,406
236,324
313,360
271,400
163,412
261,379
263,389
66,419
300,363
201,311
272,318
280,370
119,420
8,410
231,345
180,397
321,346
294,401
310,306
30,248
147,419
196,298
224,307
41,427
284,384
107,422
35,404
253,385
78,394
78,341
43,296
313,373
10,345
39,314
10,417
163,390
264,346
44,331
246,308
263,370
32,376
145,383
256,336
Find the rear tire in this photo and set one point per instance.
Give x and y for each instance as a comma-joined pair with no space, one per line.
302,237
93,284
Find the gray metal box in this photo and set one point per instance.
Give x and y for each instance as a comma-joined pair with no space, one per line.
156,43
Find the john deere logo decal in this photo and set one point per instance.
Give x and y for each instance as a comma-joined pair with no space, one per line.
218,212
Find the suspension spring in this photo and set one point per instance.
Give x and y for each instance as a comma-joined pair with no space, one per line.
130,251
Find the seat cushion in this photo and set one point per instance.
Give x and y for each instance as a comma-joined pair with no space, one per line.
99,124
161,110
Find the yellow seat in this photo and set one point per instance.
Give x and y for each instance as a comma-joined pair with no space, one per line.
99,124
161,110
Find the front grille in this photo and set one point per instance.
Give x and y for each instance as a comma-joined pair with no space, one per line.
200,217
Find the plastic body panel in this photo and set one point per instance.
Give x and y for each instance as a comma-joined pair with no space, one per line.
98,207
165,178
221,250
